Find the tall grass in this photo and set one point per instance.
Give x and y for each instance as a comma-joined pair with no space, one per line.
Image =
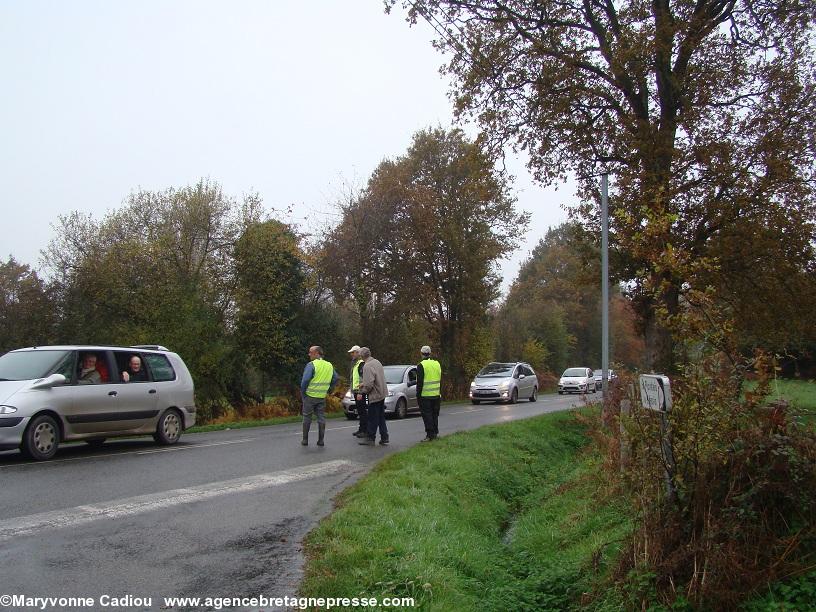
502,518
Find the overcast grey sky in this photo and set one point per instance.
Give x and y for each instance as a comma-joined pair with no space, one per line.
288,99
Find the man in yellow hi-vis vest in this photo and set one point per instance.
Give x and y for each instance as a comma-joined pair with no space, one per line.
318,380
354,385
429,381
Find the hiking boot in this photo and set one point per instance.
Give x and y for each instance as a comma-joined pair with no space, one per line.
366,441
321,432
383,442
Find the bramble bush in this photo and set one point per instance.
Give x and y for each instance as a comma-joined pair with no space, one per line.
734,512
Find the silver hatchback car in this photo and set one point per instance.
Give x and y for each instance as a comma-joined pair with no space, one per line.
504,382
53,394
401,398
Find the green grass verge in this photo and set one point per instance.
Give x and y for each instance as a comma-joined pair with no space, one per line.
501,518
800,393
295,418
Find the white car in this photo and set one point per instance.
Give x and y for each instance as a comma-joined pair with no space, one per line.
576,380
54,394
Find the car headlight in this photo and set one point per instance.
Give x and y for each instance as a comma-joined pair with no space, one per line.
7,410
473,385
561,381
504,386
390,394
348,394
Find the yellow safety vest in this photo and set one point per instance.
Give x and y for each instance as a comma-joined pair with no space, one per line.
355,374
319,385
432,379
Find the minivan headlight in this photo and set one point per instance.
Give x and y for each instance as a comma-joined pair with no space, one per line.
472,384
7,410
504,385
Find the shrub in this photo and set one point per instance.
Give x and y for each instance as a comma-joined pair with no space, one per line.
731,509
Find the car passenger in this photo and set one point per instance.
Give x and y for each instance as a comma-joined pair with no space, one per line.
135,372
88,374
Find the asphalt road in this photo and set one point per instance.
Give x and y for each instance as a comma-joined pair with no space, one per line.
220,514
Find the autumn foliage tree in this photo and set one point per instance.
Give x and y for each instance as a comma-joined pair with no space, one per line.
702,110
423,239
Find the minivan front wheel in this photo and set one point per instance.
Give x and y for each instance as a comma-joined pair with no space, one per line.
41,438
168,431
402,408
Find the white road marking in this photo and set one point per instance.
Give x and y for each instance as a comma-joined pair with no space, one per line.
79,515
190,447
133,452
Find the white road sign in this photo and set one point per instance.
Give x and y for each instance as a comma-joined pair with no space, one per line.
655,392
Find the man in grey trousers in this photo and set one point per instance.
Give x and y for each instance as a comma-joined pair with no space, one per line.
318,381
373,385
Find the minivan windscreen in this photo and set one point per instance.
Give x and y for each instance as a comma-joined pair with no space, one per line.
575,372
28,365
393,375
496,370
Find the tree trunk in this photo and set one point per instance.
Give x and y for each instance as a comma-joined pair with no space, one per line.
660,344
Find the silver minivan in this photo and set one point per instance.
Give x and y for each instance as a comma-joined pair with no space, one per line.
504,382
53,394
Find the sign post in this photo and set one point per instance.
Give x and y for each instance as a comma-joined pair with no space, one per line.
655,395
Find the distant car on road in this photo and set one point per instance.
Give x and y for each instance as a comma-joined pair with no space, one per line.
577,380
46,397
598,376
504,382
401,399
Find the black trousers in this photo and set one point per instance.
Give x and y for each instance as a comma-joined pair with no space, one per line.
362,413
429,407
376,420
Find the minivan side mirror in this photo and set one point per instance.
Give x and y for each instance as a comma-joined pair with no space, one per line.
49,381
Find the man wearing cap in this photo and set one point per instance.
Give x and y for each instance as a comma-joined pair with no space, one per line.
354,381
372,383
429,383
318,380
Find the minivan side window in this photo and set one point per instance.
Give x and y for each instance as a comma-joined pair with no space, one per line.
160,367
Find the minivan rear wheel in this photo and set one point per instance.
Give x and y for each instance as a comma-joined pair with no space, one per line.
534,396
41,438
168,431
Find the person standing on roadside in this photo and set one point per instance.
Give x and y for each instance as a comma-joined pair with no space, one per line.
359,404
373,384
318,380
429,384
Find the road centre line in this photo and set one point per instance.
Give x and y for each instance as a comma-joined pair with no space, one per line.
87,513
133,452
190,447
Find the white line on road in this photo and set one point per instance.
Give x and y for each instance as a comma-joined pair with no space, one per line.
79,515
190,447
133,452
